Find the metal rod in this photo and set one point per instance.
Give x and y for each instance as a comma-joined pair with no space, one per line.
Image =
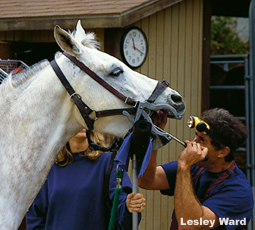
252,98
179,141
184,144
135,190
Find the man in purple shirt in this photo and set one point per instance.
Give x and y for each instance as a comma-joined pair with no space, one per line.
212,194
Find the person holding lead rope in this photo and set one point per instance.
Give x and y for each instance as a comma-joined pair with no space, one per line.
79,191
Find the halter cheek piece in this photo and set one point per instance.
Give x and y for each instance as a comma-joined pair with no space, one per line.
139,108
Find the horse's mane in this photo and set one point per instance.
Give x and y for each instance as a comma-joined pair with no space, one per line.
89,40
17,79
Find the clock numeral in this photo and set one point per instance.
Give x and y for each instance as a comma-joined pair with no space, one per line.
134,34
133,61
126,52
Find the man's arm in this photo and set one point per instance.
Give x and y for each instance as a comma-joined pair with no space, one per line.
187,206
154,178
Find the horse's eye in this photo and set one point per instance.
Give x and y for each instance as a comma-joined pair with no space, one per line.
116,72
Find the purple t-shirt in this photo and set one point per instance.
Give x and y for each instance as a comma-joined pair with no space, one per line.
73,197
231,200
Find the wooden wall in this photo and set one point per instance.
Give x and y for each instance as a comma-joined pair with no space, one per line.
175,54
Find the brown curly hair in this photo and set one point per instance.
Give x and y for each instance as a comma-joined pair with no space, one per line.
65,156
225,125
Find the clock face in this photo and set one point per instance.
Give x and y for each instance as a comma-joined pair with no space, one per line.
134,47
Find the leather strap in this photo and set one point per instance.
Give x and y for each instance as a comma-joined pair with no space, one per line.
93,75
222,177
161,86
83,108
111,112
197,174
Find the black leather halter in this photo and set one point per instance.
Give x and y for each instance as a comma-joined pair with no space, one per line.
84,108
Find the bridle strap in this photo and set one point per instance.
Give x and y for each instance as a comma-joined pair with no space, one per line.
93,75
161,86
83,108
112,112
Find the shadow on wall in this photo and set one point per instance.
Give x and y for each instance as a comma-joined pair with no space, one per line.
31,53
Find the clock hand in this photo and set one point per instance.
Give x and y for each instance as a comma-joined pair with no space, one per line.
133,43
138,50
135,47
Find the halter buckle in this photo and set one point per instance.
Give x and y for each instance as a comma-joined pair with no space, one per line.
71,97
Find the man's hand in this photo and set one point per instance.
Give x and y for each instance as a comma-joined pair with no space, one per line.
192,154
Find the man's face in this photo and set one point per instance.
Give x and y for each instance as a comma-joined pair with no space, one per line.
205,141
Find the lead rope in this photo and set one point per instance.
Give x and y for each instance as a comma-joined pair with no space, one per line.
119,176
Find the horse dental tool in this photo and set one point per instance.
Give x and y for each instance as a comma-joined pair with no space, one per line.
164,136
168,136
144,110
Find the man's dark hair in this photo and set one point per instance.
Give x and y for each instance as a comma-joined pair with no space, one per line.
231,130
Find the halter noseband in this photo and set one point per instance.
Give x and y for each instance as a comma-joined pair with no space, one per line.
137,109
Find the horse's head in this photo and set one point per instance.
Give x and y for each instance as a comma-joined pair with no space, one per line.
129,83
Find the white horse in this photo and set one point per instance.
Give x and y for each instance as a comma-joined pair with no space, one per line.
38,117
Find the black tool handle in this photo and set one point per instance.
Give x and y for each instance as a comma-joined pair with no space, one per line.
140,139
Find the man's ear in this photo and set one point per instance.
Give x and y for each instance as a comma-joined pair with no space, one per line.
224,152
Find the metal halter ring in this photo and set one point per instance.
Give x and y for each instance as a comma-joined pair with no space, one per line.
71,97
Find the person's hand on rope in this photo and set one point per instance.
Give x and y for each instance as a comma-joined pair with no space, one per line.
135,202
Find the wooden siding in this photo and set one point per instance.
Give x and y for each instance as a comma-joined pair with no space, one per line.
175,54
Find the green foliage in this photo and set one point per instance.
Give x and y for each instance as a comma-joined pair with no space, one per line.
225,39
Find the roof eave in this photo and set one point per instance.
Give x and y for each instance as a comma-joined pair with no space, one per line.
89,21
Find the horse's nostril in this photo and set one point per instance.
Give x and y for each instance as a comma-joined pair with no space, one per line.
176,98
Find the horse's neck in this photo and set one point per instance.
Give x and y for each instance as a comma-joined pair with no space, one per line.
33,132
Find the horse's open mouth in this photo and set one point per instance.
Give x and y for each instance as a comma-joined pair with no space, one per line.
158,116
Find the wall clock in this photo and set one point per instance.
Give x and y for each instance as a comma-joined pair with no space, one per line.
134,47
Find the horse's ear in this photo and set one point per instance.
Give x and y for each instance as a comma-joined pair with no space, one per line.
66,42
80,32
